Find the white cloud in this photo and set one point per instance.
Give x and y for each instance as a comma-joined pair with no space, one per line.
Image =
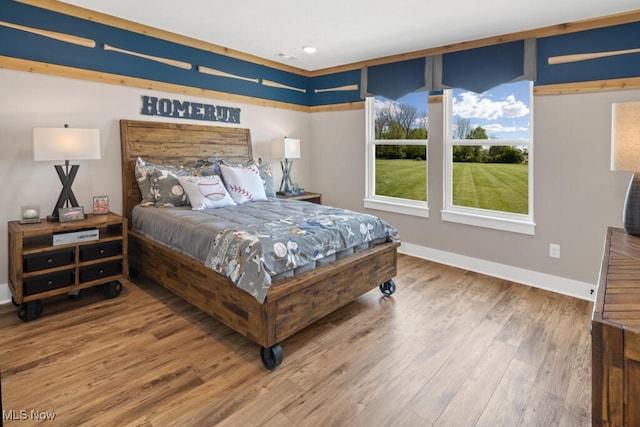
383,104
470,105
498,128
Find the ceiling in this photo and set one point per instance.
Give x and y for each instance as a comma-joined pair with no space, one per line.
348,31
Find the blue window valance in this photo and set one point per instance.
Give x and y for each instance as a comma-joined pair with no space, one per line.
480,69
477,70
395,79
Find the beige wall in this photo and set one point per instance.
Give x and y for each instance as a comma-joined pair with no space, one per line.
576,196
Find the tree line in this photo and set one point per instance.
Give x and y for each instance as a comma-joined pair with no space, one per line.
402,121
480,154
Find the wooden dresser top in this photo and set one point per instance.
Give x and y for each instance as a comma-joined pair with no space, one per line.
618,298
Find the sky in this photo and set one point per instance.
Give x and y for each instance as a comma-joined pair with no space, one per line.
504,111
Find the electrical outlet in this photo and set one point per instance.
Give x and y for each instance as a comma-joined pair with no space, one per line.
554,250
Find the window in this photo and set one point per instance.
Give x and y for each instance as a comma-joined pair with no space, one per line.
489,157
397,154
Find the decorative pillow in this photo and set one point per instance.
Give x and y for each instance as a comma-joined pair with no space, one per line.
212,166
142,171
165,186
243,183
205,167
159,185
205,192
267,178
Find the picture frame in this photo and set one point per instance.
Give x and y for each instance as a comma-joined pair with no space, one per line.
29,214
100,205
71,214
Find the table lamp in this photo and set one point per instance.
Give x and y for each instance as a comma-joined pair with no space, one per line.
57,144
625,156
291,150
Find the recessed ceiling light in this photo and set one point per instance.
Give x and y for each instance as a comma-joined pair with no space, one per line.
286,56
309,49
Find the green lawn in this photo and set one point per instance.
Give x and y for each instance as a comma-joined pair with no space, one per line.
406,179
493,186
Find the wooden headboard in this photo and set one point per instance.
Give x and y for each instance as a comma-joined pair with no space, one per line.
174,144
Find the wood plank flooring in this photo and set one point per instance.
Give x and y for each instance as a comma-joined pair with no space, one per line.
449,348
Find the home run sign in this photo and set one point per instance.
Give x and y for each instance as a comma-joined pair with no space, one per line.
152,106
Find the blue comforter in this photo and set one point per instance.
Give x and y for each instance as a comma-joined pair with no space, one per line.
250,254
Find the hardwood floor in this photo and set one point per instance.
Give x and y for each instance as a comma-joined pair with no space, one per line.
449,348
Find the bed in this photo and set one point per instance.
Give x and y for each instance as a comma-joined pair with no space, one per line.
290,304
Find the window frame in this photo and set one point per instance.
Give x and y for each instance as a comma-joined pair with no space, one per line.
386,203
499,220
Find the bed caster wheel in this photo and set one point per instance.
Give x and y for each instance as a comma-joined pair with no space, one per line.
29,311
388,288
272,356
111,289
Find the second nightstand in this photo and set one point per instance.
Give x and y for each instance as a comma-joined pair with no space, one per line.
307,196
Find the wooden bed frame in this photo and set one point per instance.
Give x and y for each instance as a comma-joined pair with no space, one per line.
291,304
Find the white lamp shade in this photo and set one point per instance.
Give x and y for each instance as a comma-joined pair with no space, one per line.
285,148
52,144
625,137
291,148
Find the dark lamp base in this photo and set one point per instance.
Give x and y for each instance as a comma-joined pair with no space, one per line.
632,207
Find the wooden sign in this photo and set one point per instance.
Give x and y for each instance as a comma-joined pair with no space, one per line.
153,106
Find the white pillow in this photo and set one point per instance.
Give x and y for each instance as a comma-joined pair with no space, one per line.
243,183
205,192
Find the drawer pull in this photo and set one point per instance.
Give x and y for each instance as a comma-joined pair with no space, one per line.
101,271
101,251
49,260
50,282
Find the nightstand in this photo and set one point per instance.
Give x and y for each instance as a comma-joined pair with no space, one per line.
52,258
307,196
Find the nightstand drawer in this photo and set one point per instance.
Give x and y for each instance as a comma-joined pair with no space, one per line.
47,281
100,250
98,271
49,259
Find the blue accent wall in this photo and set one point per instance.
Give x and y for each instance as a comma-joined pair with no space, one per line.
619,37
24,45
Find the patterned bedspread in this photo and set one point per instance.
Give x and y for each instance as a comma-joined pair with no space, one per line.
249,254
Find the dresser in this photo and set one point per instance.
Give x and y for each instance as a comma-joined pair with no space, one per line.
615,334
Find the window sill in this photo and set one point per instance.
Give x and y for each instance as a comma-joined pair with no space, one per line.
418,209
486,221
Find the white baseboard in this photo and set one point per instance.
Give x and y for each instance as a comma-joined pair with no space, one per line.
561,285
5,295
548,282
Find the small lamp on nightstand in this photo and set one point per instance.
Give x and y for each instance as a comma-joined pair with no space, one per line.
56,144
625,156
290,150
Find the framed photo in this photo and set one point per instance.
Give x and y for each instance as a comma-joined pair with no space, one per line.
100,205
29,214
71,214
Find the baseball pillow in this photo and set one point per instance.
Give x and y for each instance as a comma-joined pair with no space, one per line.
205,192
243,183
